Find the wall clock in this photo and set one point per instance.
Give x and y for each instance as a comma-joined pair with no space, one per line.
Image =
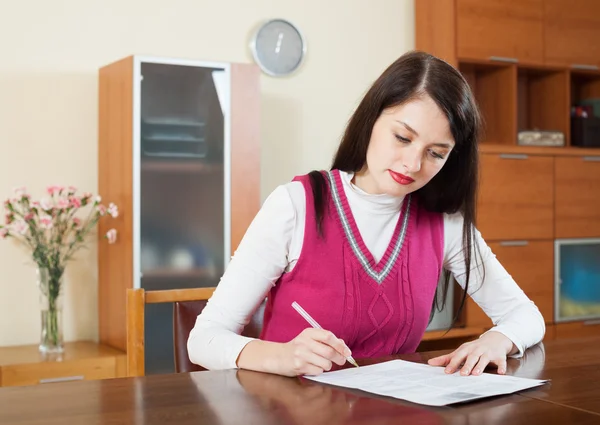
278,47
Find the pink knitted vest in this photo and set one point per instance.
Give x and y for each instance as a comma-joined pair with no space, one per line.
379,308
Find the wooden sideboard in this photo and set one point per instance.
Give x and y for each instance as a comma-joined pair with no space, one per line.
24,365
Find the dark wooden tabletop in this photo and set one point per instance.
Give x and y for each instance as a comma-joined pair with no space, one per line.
244,397
572,365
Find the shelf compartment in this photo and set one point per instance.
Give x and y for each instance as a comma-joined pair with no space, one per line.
495,88
184,167
168,278
466,332
170,273
543,100
585,91
172,122
540,150
584,85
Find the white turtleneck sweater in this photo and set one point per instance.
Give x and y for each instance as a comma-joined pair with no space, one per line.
272,245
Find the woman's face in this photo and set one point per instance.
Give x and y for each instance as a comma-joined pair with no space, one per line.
409,145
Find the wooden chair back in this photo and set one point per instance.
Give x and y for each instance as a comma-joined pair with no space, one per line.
136,308
187,305
184,319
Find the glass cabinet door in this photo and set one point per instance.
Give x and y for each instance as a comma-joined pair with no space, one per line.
577,287
182,182
183,226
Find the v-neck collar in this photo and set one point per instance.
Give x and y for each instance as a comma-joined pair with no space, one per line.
376,270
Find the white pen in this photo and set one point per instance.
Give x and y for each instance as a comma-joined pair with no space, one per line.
314,324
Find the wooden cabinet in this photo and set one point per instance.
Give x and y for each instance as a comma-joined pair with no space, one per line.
530,263
572,33
500,29
516,197
179,153
528,62
577,197
24,365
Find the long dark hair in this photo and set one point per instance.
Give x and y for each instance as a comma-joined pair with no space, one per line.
453,189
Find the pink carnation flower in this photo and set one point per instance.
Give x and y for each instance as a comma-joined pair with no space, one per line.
113,210
20,227
111,235
75,201
46,222
20,191
63,203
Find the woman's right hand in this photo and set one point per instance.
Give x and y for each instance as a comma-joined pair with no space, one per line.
312,352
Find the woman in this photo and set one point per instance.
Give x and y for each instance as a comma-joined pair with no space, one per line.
361,247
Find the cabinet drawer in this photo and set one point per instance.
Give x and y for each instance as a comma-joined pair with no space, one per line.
531,264
577,197
578,329
46,372
516,197
481,28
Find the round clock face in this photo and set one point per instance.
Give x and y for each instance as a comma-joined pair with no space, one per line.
278,47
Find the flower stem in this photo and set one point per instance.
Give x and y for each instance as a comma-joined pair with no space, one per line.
50,285
52,323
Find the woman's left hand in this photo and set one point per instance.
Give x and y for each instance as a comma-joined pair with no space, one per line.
491,348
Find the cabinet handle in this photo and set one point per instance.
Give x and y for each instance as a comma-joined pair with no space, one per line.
61,379
591,322
514,243
504,59
591,158
584,66
513,156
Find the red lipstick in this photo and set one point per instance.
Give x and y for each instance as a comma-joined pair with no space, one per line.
401,178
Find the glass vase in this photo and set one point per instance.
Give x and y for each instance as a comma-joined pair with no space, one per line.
51,306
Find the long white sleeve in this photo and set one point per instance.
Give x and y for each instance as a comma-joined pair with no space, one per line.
261,257
511,311
273,243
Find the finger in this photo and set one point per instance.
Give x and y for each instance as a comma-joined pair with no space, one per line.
502,366
470,363
326,351
484,360
456,361
307,362
315,359
330,339
300,366
310,369
440,360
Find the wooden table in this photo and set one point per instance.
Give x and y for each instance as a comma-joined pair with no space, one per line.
244,397
24,365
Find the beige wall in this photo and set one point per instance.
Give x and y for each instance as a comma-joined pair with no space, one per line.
51,51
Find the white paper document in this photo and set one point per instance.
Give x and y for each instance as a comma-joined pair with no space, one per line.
424,384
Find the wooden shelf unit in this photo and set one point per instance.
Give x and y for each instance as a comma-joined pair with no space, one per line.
126,93
527,64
